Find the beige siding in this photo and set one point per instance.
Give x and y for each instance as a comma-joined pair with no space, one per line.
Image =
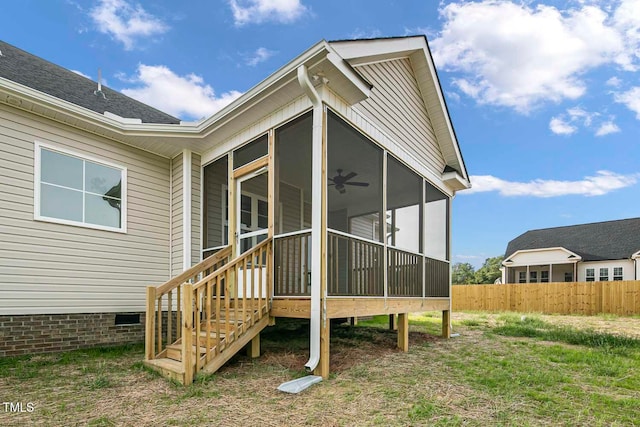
396,106
214,200
176,216
290,205
54,268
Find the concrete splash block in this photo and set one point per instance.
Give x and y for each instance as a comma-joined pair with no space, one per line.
299,384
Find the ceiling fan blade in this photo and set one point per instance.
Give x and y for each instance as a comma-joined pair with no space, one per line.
350,175
330,184
357,184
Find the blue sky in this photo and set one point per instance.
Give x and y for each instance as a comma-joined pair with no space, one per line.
544,96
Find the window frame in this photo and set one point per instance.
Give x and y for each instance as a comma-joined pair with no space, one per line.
618,277
37,181
544,279
600,276
591,276
522,277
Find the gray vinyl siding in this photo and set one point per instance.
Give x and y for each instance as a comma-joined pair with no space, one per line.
195,209
397,107
176,216
48,268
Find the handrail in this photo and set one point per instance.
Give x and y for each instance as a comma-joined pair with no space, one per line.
230,264
194,271
165,313
223,305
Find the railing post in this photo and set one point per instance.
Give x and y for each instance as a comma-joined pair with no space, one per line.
149,320
187,332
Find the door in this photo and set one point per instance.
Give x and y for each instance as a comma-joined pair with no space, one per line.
252,209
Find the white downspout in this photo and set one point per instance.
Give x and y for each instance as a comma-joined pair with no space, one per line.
316,216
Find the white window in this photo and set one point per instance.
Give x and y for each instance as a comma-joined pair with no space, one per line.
522,277
604,274
533,277
544,277
591,275
617,273
76,190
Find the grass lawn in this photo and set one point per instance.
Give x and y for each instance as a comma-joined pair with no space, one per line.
503,369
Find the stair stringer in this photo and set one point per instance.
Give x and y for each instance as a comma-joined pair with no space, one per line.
233,348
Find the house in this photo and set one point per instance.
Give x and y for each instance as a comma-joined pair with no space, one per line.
600,251
323,192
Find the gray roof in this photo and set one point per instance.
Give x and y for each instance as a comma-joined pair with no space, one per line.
41,75
593,242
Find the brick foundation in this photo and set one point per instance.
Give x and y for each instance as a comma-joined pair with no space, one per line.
46,333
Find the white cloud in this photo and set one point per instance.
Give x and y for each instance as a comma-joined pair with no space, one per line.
359,33
569,122
614,82
259,11
182,96
260,55
125,22
602,183
560,127
520,56
631,99
606,128
80,73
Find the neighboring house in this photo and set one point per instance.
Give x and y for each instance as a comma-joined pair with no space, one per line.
601,251
102,196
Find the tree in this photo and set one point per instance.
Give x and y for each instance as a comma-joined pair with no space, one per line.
490,270
462,273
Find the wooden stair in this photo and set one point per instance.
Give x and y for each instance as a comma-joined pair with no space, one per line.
171,365
232,314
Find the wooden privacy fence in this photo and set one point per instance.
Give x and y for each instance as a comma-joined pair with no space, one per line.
585,298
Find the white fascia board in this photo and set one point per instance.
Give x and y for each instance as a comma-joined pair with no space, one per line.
455,181
113,123
636,255
450,134
576,258
288,72
362,86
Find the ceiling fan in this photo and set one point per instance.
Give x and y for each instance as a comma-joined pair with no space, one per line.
340,181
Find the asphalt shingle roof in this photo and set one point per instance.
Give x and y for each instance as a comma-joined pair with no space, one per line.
44,76
593,242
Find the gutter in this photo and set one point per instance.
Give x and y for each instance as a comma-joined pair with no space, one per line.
316,217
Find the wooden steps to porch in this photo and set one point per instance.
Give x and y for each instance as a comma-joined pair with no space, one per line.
218,306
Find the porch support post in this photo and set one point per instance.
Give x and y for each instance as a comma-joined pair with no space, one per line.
393,324
253,348
403,331
527,280
446,324
550,273
231,206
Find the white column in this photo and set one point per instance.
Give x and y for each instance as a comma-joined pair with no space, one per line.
186,209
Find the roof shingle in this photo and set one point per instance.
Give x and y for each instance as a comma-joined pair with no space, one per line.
34,72
593,242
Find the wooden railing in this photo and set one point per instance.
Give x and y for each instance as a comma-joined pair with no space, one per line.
292,264
404,273
436,278
224,304
164,304
354,266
